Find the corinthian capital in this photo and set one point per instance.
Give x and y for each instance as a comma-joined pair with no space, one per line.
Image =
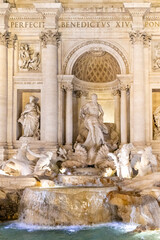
147,39
50,37
12,40
116,92
69,87
4,38
139,36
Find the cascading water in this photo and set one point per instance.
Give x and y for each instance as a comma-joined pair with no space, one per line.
133,215
150,211
65,206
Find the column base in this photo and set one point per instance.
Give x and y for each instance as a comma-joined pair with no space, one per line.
3,154
68,146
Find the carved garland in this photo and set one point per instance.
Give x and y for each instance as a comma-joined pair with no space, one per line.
96,42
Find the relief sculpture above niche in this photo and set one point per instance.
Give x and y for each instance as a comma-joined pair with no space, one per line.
156,57
29,57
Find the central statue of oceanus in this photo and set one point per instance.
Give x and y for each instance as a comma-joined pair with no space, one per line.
91,115
92,145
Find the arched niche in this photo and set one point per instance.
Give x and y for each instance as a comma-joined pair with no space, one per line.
104,89
96,45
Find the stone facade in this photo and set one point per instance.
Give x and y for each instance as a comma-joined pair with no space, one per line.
63,51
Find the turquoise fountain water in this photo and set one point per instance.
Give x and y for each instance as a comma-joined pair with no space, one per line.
110,231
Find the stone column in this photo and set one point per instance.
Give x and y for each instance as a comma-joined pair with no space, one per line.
139,135
116,94
123,115
3,88
61,111
137,38
49,68
11,50
69,114
147,88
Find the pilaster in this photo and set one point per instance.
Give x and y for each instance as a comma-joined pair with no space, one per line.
50,98
68,87
139,38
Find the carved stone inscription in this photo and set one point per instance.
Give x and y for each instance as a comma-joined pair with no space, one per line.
94,24
24,24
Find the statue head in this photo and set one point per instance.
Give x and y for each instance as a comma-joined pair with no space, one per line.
94,97
33,99
49,154
148,149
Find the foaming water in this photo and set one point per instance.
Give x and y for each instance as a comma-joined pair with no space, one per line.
110,231
123,227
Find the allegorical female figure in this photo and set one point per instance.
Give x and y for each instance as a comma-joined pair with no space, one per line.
30,119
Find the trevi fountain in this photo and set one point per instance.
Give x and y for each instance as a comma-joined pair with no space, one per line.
79,119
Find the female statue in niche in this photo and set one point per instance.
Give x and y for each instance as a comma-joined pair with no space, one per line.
30,118
156,118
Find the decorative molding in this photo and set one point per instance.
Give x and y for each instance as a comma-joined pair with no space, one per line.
137,10
113,17
50,37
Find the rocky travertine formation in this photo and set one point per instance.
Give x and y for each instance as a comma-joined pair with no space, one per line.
9,203
130,200
67,206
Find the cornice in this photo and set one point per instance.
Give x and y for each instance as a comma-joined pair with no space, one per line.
49,8
152,16
82,85
25,14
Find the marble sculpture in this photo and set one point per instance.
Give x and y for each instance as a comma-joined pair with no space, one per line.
30,119
156,118
19,163
28,59
148,162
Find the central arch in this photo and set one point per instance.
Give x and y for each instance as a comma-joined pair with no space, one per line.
95,45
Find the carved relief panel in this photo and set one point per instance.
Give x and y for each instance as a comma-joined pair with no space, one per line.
29,57
156,56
